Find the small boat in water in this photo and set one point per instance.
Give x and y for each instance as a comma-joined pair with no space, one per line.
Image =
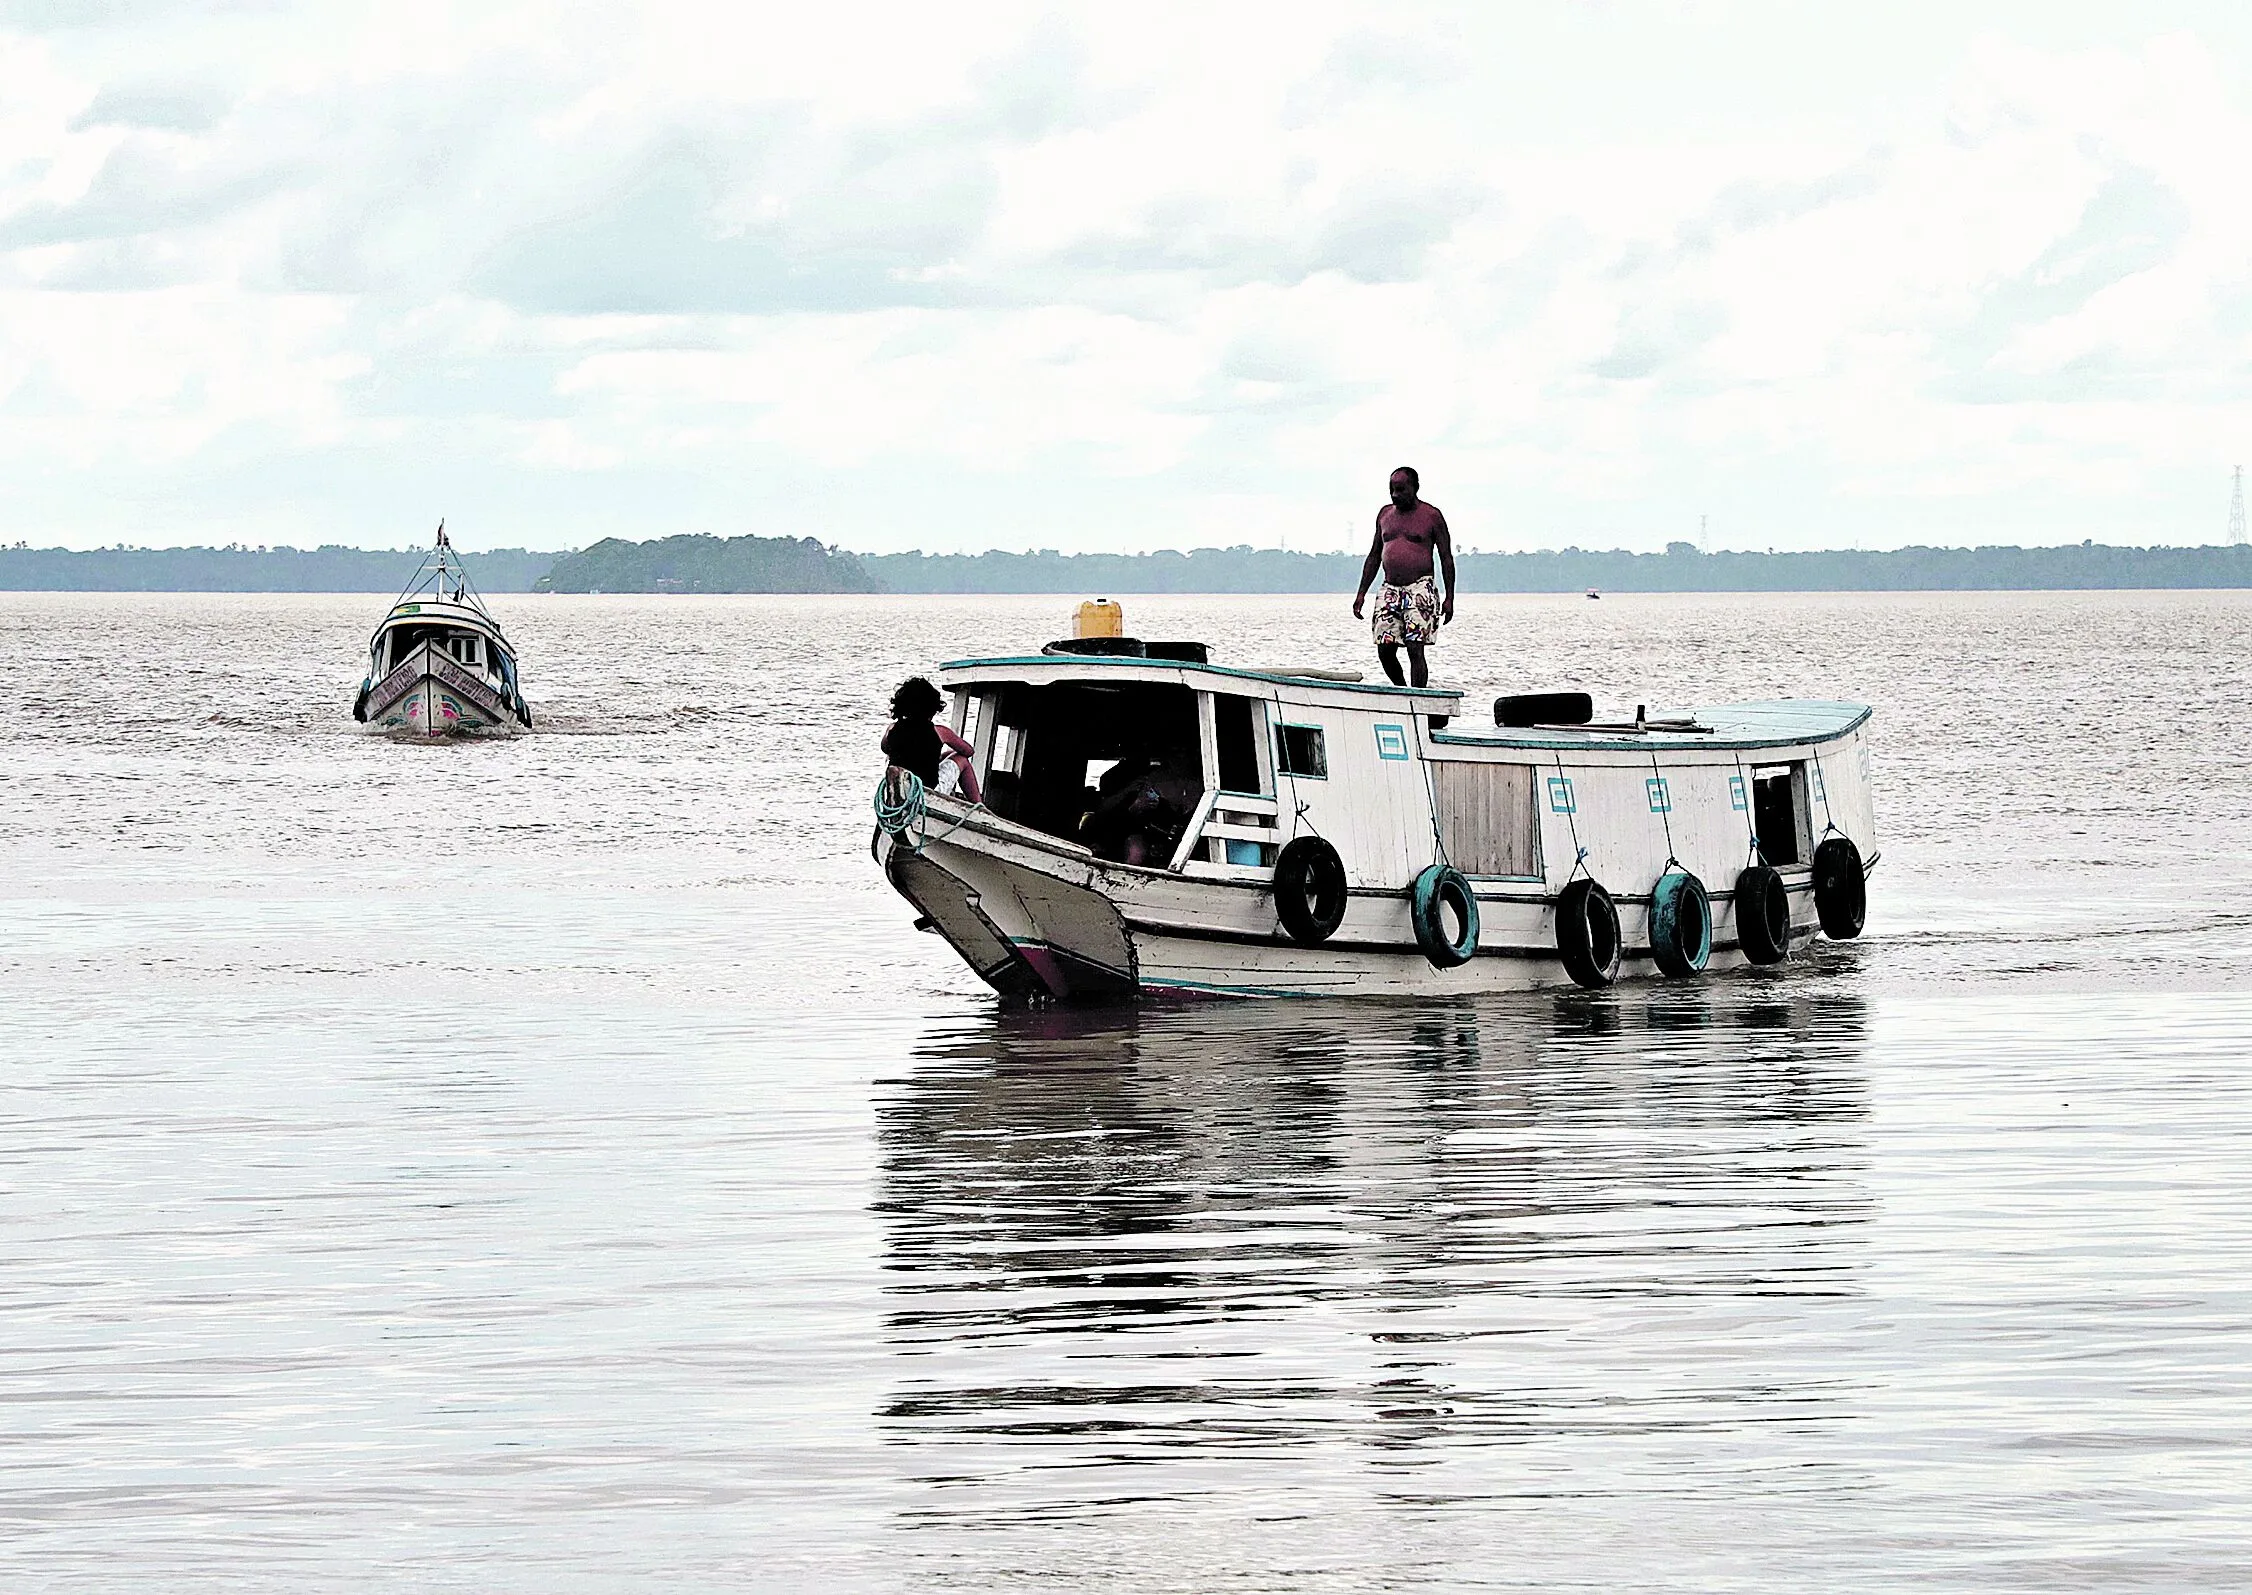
439,663
1154,822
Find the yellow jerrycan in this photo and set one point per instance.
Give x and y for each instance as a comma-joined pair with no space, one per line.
1099,617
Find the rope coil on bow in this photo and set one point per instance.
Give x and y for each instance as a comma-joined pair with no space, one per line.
903,808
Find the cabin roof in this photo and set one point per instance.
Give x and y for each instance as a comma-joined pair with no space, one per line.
962,672
441,611
1785,722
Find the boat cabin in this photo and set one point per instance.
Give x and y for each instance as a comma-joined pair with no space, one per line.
1206,770
1184,765
459,643
455,631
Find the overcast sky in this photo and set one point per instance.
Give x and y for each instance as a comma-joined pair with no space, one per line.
1123,277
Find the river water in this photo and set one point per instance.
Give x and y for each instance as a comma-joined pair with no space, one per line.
557,1165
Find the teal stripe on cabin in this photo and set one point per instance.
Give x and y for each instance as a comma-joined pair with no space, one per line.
1171,668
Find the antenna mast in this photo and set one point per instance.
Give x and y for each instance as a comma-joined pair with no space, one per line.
2236,510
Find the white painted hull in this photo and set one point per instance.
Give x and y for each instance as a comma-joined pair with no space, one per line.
1034,919
431,696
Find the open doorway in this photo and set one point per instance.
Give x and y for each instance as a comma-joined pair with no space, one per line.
1115,767
1779,812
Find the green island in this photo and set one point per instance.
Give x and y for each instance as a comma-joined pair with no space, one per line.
705,564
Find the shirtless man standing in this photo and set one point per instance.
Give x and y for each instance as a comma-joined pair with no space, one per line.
1408,607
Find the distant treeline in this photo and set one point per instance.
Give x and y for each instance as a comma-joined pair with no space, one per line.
235,569
698,564
709,565
1680,569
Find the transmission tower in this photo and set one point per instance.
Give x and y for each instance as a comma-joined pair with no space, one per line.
2236,510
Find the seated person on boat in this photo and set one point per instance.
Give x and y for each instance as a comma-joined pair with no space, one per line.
1141,805
918,744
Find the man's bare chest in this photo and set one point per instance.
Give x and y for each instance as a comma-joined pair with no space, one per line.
1417,527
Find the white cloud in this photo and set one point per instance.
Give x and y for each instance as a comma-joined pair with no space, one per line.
1106,279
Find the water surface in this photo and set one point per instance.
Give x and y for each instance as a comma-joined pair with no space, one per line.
556,1165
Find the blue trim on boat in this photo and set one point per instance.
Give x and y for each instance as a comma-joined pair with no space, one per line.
1173,668
1788,723
1784,723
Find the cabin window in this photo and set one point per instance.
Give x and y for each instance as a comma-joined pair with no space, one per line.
1115,766
1775,811
465,647
1301,752
1236,724
1487,817
1008,751
406,639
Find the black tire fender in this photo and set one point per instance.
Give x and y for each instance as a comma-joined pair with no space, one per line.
1587,934
1438,890
1310,890
1680,924
1841,888
1544,709
1763,915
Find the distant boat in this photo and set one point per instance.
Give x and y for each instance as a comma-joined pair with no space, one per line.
1592,593
439,663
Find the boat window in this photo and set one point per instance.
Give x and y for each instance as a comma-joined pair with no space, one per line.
1302,752
1236,724
1064,756
1008,750
1487,817
1775,812
405,639
465,647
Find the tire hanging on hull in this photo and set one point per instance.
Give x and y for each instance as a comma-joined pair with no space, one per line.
1587,934
1440,892
1763,915
1680,924
1310,890
1841,888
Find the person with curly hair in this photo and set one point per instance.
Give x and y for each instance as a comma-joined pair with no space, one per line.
916,742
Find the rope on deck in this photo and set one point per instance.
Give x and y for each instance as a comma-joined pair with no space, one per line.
903,810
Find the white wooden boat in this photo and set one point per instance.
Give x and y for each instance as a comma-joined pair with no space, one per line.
1337,843
439,664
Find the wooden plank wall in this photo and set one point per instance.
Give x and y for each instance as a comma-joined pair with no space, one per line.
1486,815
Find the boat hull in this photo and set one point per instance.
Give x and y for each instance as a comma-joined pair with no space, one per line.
1061,928
431,696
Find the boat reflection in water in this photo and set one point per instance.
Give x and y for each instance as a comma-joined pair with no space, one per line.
1342,1239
